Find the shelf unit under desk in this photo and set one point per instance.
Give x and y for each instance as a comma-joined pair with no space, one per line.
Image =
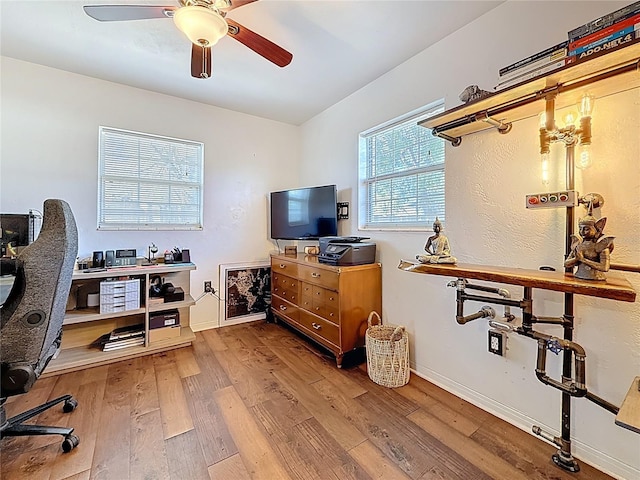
83,326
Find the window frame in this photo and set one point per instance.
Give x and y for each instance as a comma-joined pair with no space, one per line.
365,181
162,141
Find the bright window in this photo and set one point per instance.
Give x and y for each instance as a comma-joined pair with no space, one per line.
149,182
401,174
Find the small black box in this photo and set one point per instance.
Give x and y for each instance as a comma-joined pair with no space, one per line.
176,296
167,318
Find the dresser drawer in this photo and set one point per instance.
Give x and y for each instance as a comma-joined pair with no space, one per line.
318,276
289,294
321,327
284,266
285,308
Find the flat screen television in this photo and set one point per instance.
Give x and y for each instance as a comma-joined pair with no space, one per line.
304,213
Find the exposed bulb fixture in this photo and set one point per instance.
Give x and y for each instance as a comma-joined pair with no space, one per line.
584,159
202,25
576,133
586,105
544,168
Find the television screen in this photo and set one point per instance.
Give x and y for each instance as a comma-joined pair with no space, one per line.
304,213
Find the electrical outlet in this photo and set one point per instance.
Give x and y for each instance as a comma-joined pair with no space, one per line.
208,287
497,342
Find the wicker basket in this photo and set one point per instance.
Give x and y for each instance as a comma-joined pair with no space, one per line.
387,353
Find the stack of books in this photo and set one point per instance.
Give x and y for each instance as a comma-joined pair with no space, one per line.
603,35
538,64
123,337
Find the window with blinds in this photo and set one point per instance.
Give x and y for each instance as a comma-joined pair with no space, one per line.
402,174
149,182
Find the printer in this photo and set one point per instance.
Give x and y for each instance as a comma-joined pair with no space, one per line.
345,251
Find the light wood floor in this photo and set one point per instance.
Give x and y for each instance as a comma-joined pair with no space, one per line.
255,401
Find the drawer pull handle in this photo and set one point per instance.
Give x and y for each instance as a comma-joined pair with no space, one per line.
331,299
318,309
316,326
282,265
315,275
283,307
331,314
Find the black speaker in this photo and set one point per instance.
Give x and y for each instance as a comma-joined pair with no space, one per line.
98,260
109,258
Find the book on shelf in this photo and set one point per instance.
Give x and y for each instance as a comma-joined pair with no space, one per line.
127,332
603,22
525,71
118,344
617,44
605,32
602,41
555,52
536,72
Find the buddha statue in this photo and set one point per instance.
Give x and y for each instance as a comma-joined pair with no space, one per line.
590,251
437,247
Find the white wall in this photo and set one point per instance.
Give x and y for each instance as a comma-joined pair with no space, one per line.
487,179
50,121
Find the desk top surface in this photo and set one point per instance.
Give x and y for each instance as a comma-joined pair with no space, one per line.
615,287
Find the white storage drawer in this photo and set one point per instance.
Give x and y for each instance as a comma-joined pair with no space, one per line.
119,296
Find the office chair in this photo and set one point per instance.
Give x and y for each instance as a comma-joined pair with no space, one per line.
31,319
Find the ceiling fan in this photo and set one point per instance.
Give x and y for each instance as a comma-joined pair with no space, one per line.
204,22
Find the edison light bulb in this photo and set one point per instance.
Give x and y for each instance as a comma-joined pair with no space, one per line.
584,159
542,119
544,168
570,119
586,105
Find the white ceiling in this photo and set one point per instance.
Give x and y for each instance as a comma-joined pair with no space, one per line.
337,46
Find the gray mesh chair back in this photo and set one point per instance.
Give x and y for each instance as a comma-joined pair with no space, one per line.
33,313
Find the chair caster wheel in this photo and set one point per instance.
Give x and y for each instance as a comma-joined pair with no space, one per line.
69,405
69,443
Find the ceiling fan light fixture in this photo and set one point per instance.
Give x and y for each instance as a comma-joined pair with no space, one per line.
201,25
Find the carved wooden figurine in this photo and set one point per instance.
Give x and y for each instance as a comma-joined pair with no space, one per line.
590,251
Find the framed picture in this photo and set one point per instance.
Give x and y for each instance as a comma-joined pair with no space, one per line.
246,290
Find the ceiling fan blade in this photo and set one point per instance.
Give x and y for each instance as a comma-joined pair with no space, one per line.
237,4
200,61
259,44
117,13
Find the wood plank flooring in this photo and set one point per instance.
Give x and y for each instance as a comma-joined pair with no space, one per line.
257,401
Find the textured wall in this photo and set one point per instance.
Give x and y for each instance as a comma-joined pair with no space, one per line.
50,121
487,179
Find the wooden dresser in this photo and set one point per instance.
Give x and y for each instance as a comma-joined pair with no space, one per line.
328,304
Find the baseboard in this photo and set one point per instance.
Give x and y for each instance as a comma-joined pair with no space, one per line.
582,451
198,327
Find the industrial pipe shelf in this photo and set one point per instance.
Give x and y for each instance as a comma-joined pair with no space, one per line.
614,287
611,73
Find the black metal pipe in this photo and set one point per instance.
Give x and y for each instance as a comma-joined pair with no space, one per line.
602,403
499,301
483,288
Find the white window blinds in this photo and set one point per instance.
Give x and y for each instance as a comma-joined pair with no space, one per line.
149,182
402,174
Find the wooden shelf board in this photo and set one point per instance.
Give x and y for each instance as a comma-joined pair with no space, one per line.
134,270
505,100
629,414
92,314
614,288
79,358
158,307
